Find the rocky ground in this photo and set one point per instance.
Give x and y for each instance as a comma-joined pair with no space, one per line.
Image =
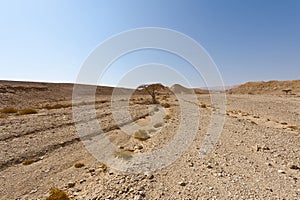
257,155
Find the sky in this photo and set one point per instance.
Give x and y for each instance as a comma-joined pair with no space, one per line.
50,40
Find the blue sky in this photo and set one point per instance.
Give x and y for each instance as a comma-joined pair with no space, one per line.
248,40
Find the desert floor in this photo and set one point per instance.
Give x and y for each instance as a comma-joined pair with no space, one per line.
257,155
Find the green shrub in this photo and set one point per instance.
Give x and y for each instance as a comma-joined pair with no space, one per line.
141,135
57,194
8,110
28,111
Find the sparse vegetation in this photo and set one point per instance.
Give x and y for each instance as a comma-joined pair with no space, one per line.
159,124
28,162
165,97
57,194
8,110
151,130
57,106
294,128
3,115
141,135
79,165
152,90
123,154
167,117
103,167
166,105
203,105
28,111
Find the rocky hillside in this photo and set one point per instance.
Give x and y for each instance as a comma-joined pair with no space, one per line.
34,94
270,87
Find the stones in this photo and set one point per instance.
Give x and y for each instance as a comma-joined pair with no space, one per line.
71,184
294,167
91,170
82,181
150,177
182,183
138,197
280,171
209,166
138,147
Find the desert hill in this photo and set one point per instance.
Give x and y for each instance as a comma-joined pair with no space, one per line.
176,88
270,87
32,94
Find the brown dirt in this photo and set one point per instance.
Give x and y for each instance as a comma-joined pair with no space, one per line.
256,157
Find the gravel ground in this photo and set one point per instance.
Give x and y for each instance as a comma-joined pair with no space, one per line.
257,155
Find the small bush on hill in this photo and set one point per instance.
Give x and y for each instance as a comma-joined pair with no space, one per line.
57,194
28,111
79,165
8,110
141,135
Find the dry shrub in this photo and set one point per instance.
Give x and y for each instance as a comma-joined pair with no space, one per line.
123,154
165,97
28,162
294,128
167,117
141,135
102,101
203,105
151,130
79,165
166,105
57,194
8,110
57,106
103,167
28,111
159,124
3,115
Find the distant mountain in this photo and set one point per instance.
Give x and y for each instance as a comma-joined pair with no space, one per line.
179,89
270,87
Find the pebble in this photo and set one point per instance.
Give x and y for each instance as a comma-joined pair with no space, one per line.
81,181
138,197
281,171
92,170
71,184
181,183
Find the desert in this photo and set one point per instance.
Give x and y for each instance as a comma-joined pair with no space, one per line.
257,155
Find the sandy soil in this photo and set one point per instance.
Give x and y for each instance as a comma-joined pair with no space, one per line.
256,157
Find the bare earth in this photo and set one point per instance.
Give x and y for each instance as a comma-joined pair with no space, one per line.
257,155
